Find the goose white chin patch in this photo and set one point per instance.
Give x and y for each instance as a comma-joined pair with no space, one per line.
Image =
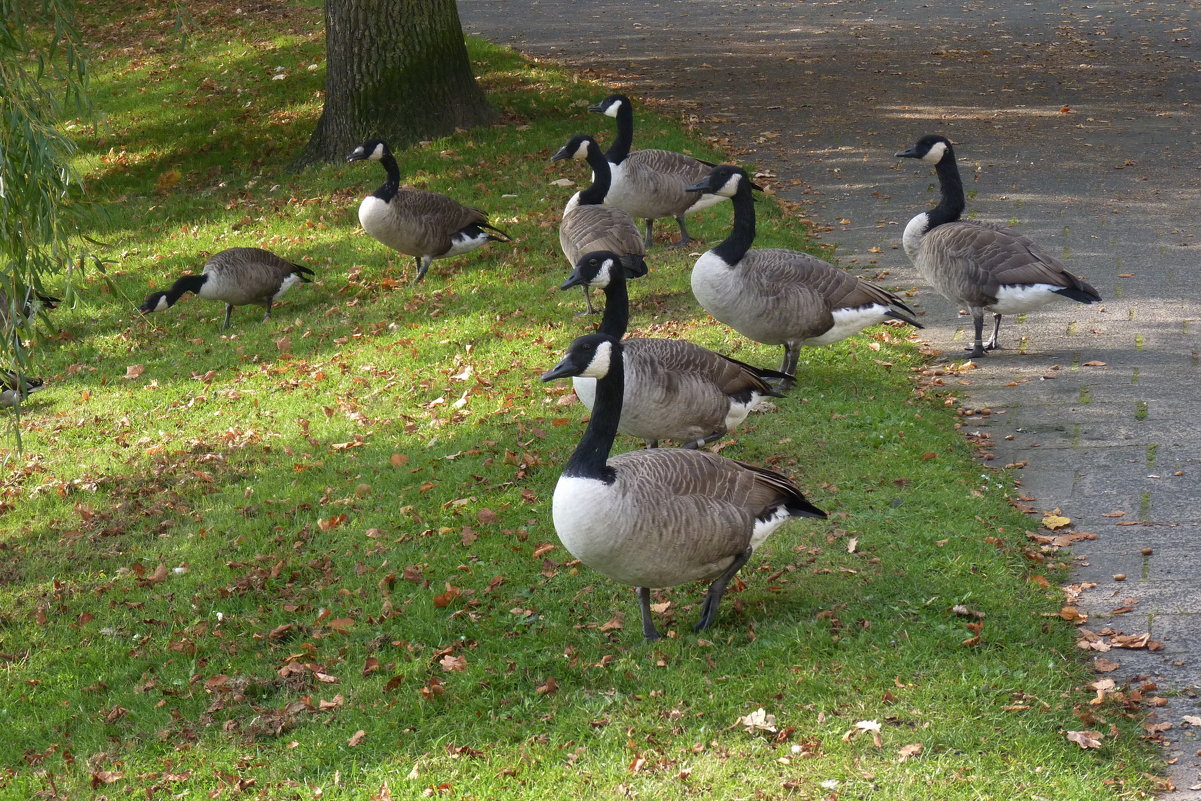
730,187
599,366
613,108
605,274
378,153
162,303
936,152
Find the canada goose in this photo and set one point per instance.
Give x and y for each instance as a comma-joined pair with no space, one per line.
651,183
663,516
979,264
782,297
424,225
33,302
588,225
237,277
673,389
17,387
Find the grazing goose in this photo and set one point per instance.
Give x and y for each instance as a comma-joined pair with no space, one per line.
34,302
589,225
424,225
981,265
664,516
650,184
16,388
237,277
782,297
673,389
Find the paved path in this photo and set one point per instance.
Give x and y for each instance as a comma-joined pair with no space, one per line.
1079,123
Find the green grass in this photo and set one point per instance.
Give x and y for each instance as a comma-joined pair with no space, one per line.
224,555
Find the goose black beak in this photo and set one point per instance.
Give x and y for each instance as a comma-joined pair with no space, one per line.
560,370
907,153
575,279
703,186
562,154
599,108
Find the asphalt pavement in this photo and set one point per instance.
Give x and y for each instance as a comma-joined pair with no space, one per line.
1078,124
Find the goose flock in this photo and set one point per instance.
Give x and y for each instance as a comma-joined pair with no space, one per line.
661,517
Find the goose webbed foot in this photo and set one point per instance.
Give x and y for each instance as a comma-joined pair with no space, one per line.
423,264
587,300
717,589
646,243
648,628
684,236
991,344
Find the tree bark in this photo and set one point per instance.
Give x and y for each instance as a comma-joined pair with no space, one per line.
395,70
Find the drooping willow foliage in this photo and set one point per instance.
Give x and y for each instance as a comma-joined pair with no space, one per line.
43,212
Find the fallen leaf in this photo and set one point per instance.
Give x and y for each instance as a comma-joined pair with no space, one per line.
759,720
356,738
453,664
1103,665
909,751
1086,739
134,370
1094,364
1054,521
549,687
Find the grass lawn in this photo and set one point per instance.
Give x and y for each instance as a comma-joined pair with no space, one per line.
313,557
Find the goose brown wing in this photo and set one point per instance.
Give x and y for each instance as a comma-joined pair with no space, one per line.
977,258
596,227
729,376
430,219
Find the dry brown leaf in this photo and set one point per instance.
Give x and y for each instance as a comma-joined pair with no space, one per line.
909,751
1086,739
757,721
134,370
357,738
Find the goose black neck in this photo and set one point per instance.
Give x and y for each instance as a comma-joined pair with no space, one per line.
620,149
602,177
952,202
616,318
742,236
591,456
390,187
189,283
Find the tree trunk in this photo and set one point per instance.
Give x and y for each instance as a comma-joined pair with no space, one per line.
395,70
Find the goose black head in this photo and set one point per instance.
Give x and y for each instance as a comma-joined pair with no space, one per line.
611,105
373,149
157,301
577,147
590,355
595,269
930,148
725,180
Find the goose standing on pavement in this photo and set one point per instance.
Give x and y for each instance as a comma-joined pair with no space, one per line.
649,184
236,277
782,297
589,225
981,265
673,389
663,516
421,224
